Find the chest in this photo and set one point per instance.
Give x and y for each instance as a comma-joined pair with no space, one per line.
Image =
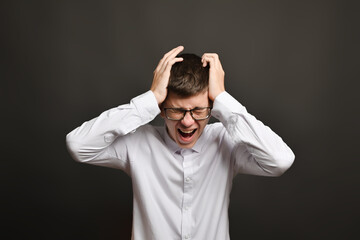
155,167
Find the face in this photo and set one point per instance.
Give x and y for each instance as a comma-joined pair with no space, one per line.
187,131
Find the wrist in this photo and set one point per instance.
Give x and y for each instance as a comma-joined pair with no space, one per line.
215,94
158,97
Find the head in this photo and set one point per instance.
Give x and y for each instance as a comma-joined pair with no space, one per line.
187,89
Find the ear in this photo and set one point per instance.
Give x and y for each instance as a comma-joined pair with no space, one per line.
162,113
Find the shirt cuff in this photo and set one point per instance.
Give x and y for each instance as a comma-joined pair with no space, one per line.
225,106
147,105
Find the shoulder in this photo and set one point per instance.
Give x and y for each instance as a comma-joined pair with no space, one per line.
146,130
214,128
218,134
215,131
146,134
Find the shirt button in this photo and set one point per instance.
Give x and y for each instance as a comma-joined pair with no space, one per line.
187,179
186,208
187,236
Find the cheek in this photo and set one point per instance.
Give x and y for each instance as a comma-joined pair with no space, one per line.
202,125
170,126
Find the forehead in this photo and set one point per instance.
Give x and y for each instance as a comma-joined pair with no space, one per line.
199,100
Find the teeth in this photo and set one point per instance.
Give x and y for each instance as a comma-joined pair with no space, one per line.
187,131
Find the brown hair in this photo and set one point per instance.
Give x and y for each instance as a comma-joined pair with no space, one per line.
188,77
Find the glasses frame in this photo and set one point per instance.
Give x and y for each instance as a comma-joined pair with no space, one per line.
191,113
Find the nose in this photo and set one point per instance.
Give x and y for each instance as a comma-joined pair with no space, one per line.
187,120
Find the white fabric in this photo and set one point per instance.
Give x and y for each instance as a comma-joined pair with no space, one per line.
180,193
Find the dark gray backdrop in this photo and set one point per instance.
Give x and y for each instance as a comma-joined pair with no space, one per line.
293,64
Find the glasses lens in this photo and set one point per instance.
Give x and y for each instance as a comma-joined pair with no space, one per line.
200,113
174,113
178,113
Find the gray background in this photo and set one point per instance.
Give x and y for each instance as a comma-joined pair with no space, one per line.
293,64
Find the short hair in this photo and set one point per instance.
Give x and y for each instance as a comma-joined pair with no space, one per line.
188,77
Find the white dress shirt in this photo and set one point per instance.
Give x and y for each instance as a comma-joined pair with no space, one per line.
180,193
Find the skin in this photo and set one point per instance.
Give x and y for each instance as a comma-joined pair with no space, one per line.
176,129
187,124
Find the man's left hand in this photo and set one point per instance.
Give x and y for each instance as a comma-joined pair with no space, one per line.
216,74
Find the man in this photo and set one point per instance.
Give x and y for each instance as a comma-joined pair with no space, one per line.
182,173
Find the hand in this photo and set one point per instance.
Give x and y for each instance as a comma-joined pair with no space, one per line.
216,74
162,73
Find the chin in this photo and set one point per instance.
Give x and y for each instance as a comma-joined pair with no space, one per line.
183,144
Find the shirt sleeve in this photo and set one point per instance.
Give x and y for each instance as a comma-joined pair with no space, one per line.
92,142
257,149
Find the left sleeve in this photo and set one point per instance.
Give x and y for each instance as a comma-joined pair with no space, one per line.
257,149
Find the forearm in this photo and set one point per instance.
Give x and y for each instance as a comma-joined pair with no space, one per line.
267,153
91,138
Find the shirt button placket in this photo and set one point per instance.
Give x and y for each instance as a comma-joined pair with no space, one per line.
187,197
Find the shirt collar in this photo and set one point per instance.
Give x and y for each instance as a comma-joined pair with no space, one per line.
174,147
171,144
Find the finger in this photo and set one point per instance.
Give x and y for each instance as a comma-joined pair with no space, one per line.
178,48
172,62
215,61
209,60
172,54
206,58
215,55
165,57
204,63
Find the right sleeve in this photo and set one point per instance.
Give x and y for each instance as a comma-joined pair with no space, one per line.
92,142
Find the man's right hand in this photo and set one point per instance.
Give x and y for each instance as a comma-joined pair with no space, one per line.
162,74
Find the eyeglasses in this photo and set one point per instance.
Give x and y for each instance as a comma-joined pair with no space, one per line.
198,113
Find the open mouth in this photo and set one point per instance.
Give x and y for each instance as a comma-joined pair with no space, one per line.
187,134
